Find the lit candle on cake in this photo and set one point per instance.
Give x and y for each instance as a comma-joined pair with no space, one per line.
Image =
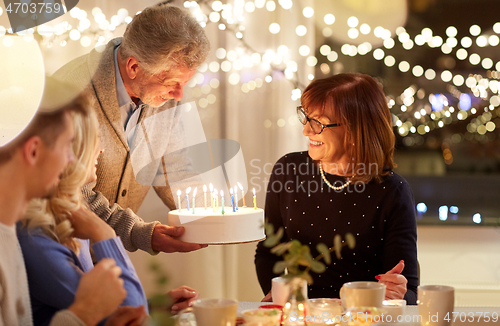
232,198
194,197
242,194
222,197
187,197
236,197
179,198
205,195
254,200
216,200
211,195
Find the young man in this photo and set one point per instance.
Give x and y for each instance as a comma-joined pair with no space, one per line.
30,166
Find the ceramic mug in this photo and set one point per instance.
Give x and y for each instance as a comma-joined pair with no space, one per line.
280,290
210,312
435,302
362,294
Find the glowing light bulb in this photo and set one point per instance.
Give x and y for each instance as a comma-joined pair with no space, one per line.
353,33
274,28
312,61
430,74
482,41
474,58
214,16
85,41
404,66
389,61
301,30
286,4
378,54
451,31
325,49
330,19
220,53
270,6
466,42
352,21
308,12
446,76
493,40
74,35
475,30
304,50
389,43
365,29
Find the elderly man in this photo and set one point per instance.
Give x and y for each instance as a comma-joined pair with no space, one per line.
30,166
134,78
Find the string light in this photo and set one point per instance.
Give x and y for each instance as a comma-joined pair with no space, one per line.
230,18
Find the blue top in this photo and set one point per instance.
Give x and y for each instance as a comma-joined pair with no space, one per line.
54,272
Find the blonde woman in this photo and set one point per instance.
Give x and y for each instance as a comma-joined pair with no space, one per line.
56,231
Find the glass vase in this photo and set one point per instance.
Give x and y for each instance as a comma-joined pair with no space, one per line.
295,309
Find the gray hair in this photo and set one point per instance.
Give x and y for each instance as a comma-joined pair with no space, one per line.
163,37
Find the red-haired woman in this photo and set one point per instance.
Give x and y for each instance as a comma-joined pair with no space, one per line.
345,183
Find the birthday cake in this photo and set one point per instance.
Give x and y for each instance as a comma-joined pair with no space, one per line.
208,227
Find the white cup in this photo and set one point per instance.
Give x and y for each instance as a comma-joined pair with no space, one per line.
210,312
435,303
362,294
280,290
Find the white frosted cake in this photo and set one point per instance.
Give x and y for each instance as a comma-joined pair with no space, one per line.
208,227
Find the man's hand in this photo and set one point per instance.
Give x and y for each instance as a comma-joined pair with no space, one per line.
99,293
163,239
182,297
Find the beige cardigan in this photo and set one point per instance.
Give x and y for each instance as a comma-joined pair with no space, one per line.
117,195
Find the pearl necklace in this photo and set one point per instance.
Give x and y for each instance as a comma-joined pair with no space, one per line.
348,182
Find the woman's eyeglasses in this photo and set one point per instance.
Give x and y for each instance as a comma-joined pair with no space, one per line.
316,126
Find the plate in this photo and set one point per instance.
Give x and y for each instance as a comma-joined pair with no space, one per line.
227,242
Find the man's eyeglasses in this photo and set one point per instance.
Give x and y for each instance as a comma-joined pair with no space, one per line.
316,126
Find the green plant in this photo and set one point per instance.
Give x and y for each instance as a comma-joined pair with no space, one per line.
160,303
297,258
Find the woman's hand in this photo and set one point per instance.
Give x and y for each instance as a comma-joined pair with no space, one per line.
99,293
183,297
130,316
395,282
88,225
268,297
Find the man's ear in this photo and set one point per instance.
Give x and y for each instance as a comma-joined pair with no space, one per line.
132,67
32,150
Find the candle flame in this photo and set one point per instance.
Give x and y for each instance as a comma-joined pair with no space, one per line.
188,190
178,192
204,188
254,191
222,193
211,188
240,186
231,190
215,192
235,189
194,192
